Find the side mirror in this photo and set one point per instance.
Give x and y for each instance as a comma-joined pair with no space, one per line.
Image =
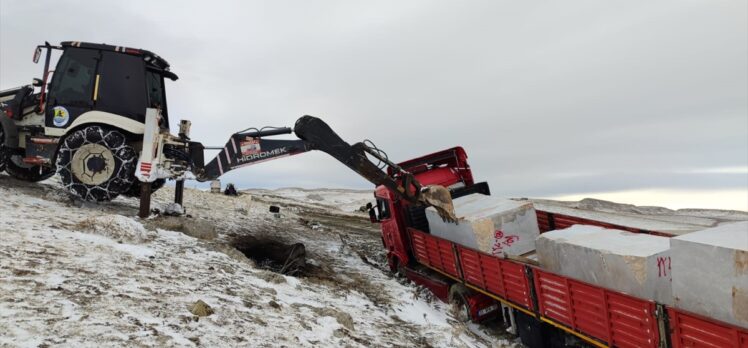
37,54
37,82
373,216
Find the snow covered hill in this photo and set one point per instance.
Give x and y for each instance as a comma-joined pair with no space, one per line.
87,275
336,199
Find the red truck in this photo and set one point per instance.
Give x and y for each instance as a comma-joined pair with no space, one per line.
547,309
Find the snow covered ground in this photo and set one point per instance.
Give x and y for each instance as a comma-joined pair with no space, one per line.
339,199
89,275
75,274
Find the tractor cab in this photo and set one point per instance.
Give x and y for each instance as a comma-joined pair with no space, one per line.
101,84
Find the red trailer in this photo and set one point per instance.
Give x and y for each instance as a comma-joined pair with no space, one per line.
547,309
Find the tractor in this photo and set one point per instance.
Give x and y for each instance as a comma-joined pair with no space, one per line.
85,119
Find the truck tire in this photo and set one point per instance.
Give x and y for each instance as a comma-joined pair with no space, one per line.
22,171
96,163
396,266
458,299
534,333
134,190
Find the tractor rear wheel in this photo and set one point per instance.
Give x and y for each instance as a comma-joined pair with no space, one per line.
96,163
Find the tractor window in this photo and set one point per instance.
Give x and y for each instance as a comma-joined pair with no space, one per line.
156,96
74,78
155,84
122,85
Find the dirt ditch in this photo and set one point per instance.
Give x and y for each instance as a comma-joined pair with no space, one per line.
273,254
279,248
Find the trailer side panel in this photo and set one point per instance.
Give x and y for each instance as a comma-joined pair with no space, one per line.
434,252
616,319
494,275
688,330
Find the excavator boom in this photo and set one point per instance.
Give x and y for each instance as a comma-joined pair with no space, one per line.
319,136
247,148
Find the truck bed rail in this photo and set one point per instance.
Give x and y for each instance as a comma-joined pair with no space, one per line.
690,330
614,318
600,316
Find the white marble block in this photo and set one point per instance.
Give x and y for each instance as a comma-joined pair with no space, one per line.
489,224
631,263
710,273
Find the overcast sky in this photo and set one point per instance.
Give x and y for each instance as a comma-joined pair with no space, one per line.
550,99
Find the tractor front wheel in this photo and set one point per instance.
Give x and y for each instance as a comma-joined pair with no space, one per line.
15,166
96,163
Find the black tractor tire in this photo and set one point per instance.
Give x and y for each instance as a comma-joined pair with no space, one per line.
13,164
134,190
21,171
96,163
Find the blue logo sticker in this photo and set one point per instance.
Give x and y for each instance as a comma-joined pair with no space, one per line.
61,116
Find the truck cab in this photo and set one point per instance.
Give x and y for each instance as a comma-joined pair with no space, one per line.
397,217
448,168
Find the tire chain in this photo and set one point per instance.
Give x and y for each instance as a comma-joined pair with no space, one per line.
121,151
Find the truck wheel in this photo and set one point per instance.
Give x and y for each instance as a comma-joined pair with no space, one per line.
533,333
458,300
16,168
396,266
96,163
134,190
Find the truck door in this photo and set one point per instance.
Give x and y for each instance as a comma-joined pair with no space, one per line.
391,234
385,219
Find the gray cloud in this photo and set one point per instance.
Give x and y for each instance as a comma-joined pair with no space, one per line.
616,95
